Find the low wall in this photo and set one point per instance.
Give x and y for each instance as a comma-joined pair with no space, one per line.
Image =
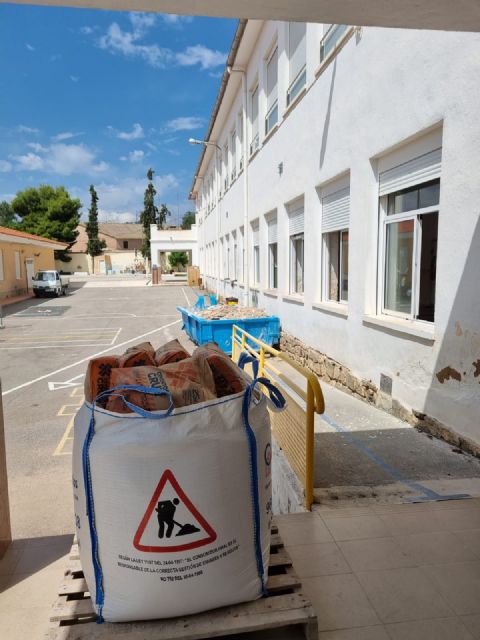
287,492
340,376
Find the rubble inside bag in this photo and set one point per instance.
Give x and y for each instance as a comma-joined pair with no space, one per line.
98,376
228,377
189,381
137,357
170,352
229,312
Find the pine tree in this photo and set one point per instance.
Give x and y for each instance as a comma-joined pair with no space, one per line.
94,245
148,215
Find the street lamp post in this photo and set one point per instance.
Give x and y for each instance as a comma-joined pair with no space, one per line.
207,143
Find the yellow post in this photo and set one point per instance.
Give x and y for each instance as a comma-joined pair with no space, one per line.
310,448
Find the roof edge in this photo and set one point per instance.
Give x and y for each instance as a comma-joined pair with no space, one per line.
237,38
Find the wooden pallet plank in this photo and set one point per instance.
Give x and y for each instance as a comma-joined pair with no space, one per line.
210,624
64,609
276,542
282,582
73,586
280,559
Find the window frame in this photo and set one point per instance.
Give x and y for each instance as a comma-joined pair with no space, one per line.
386,219
293,262
255,132
18,265
273,266
2,268
274,106
337,43
326,266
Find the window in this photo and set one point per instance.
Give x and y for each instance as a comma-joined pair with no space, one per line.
296,233
336,257
233,145
297,53
272,252
2,277
272,103
125,244
225,167
235,256
240,139
256,252
18,272
335,223
409,234
241,256
330,39
227,257
254,114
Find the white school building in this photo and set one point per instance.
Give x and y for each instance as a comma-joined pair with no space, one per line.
339,189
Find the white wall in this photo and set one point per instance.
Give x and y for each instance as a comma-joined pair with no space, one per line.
385,89
173,240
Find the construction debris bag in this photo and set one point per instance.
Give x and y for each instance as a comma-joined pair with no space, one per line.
173,508
227,376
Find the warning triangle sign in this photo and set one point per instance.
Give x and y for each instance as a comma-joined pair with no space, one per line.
172,522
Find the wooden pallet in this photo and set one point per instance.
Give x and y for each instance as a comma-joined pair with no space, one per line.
73,616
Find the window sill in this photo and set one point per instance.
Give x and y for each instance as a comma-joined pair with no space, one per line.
271,293
270,133
338,47
410,327
252,156
335,308
255,288
295,101
296,299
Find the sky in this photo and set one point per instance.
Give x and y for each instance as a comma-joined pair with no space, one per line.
98,97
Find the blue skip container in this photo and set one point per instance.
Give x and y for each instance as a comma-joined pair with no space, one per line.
202,330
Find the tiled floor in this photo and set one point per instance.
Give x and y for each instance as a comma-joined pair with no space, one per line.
384,572
390,572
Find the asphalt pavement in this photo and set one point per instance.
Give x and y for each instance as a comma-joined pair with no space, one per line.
44,351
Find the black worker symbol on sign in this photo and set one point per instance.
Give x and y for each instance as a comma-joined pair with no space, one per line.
165,514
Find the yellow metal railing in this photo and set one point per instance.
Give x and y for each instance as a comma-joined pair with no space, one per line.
294,427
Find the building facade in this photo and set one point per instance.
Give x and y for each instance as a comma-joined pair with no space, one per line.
164,241
21,256
339,190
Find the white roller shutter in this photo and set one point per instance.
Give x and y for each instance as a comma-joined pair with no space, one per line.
297,48
296,218
336,211
272,75
255,233
421,169
272,230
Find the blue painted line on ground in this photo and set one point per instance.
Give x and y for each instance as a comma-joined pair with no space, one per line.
426,494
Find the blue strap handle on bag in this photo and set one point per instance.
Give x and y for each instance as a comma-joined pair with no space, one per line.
279,402
246,358
87,477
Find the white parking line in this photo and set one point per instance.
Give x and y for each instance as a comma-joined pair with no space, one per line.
186,297
116,336
95,355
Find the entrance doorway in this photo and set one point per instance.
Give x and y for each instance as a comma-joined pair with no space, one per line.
29,268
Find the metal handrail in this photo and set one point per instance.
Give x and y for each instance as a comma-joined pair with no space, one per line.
313,395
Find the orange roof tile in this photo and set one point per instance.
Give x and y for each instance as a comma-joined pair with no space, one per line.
29,236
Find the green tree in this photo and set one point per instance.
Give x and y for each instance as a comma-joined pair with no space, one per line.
95,246
7,216
188,219
163,212
177,258
148,215
49,212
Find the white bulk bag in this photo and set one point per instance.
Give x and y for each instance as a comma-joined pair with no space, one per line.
173,509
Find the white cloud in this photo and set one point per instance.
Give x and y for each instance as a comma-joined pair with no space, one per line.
30,47
23,129
174,19
151,146
87,30
131,45
188,123
5,166
66,135
74,78
135,134
133,156
198,54
124,200
142,21
126,43
62,159
37,147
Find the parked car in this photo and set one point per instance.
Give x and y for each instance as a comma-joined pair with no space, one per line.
45,282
